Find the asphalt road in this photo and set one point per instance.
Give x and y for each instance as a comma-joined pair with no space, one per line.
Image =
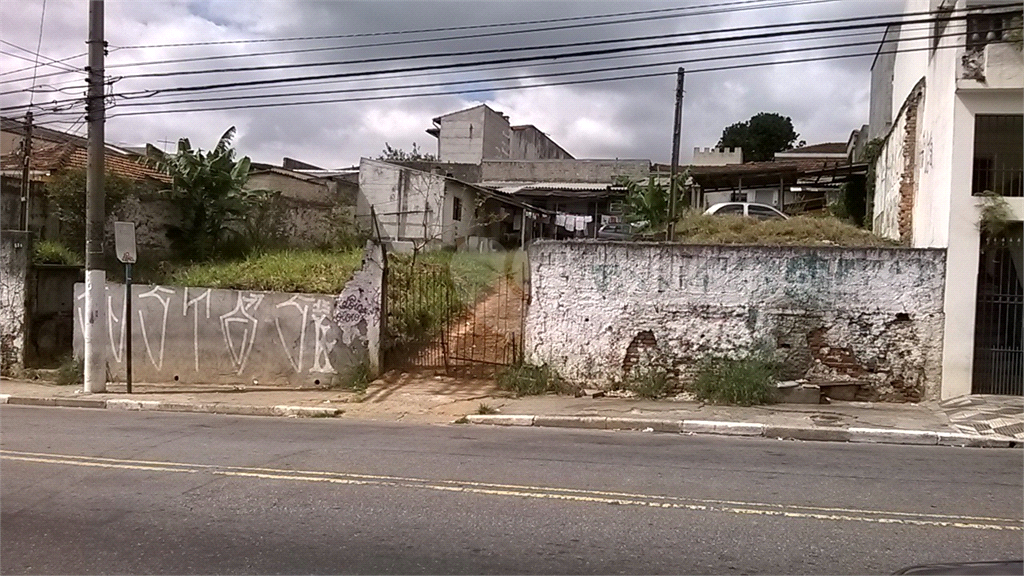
95,491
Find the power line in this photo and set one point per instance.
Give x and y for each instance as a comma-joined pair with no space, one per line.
598,52
443,29
673,63
509,88
27,59
39,46
57,61
515,49
522,59
474,36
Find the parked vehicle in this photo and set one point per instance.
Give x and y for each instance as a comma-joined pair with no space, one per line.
621,230
759,211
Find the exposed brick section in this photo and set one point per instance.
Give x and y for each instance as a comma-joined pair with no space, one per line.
908,181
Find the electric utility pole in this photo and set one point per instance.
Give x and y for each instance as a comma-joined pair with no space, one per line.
26,157
95,213
673,189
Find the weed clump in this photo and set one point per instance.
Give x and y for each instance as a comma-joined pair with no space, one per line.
744,382
526,380
71,372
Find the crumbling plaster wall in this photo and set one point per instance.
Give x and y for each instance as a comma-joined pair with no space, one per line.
872,316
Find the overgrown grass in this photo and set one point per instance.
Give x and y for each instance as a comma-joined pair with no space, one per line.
52,252
305,271
745,382
486,409
71,372
527,380
698,228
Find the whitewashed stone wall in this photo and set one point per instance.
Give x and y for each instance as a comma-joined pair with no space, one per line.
15,259
830,314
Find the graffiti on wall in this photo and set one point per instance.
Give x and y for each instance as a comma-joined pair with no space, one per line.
210,329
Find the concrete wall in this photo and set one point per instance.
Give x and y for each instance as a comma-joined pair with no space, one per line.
51,327
717,156
409,203
529,143
880,104
312,209
469,136
15,258
597,171
896,174
206,336
830,314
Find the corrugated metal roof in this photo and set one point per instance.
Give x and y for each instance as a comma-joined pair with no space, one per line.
516,187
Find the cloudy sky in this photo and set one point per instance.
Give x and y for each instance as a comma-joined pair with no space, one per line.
626,118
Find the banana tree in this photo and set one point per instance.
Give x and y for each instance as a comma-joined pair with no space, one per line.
206,188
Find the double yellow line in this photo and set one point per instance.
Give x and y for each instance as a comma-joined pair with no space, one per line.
540,492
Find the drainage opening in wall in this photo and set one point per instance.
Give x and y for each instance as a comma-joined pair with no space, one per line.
316,382
175,377
902,317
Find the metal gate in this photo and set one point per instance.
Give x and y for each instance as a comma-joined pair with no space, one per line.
436,319
998,346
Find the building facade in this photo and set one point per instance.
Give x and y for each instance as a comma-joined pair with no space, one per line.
946,108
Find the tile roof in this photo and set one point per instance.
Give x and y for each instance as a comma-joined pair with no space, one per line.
68,155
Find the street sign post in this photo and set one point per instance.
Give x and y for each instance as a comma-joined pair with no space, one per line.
124,245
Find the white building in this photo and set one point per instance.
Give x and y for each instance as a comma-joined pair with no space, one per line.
947,98
479,133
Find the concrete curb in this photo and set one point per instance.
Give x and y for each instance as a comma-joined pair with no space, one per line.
163,406
748,429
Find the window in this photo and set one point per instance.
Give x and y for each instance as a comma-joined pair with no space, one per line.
998,154
456,208
763,213
985,28
731,209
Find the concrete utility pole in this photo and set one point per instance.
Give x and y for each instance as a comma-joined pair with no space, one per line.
95,213
676,129
26,150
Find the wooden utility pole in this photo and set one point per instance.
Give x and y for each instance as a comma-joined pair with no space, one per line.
95,213
26,157
676,129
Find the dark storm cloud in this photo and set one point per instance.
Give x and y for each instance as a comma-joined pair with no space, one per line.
625,119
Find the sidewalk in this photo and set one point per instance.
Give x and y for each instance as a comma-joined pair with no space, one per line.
975,421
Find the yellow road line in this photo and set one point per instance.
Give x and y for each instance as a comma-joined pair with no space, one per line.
565,494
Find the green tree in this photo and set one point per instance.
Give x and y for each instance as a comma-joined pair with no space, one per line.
761,137
390,154
207,188
65,194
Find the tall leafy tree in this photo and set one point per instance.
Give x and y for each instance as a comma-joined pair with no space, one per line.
761,136
207,188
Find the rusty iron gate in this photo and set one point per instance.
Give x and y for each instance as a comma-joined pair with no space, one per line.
998,346
436,321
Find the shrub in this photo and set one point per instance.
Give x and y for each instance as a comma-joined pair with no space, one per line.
526,380
486,409
745,382
649,381
51,252
71,372
359,380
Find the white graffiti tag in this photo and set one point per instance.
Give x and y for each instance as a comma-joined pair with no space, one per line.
163,296
187,303
301,304
116,347
241,317
322,350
